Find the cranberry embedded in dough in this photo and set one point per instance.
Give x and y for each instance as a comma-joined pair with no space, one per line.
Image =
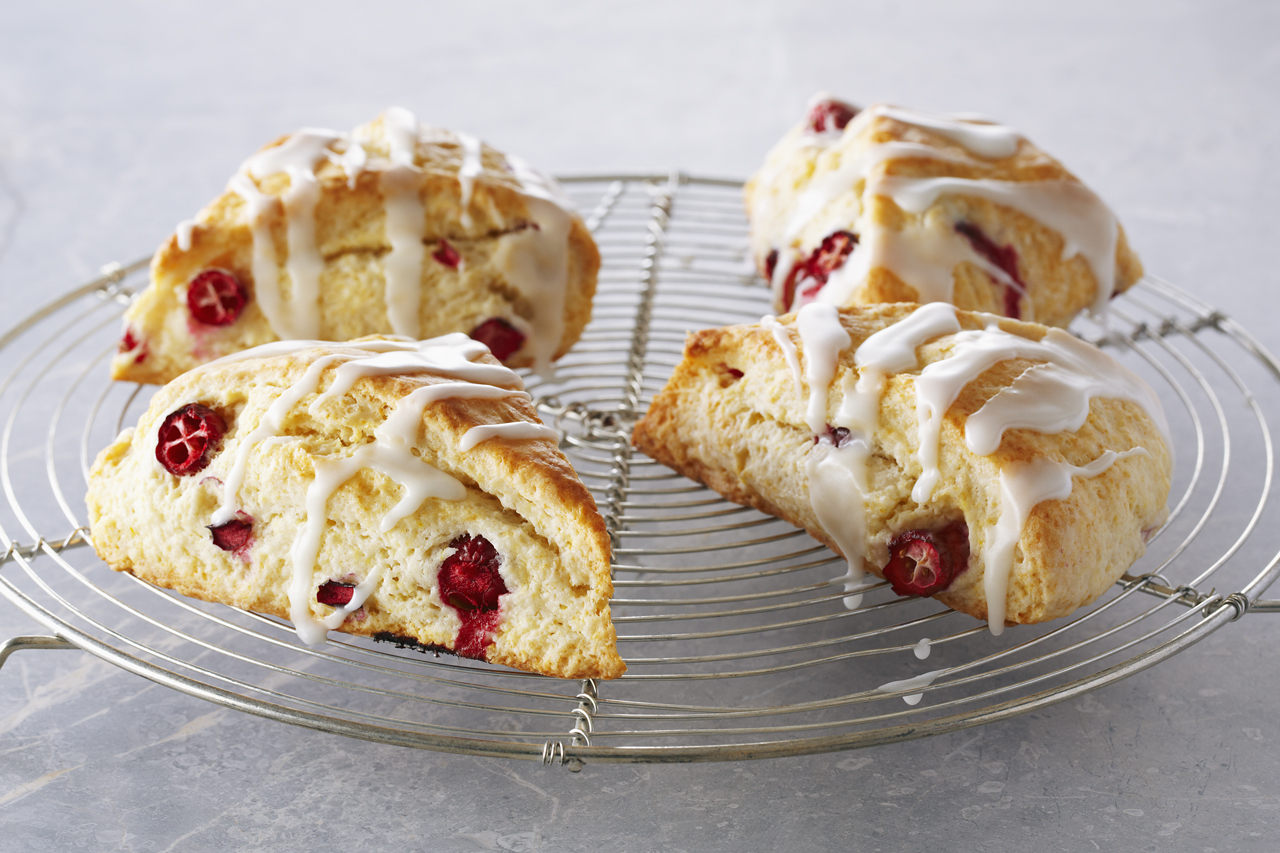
447,255
1005,258
500,336
131,343
838,436
470,584
234,536
216,297
188,437
335,594
809,277
830,114
469,578
924,562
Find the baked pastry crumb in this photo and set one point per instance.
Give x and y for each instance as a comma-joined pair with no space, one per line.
395,228
885,204
1009,470
383,487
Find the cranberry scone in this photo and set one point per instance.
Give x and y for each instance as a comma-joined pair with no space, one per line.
1009,470
395,228
388,488
885,204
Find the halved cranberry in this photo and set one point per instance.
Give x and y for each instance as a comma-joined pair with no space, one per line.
187,438
830,114
471,585
1004,257
131,343
503,339
216,297
335,594
447,255
809,277
234,535
770,264
925,562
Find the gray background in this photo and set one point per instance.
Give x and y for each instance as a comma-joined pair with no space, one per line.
118,120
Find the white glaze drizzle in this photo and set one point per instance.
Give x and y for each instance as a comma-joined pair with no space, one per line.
1022,486
467,174
535,260
922,648
518,430
298,316
923,255
788,347
824,338
911,684
264,265
405,224
352,161
390,453
837,482
988,140
837,475
1087,226
183,233
1077,370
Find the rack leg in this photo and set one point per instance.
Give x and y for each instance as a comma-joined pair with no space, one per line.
14,644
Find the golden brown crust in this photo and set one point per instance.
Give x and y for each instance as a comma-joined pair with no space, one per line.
746,437
522,495
352,241
1058,288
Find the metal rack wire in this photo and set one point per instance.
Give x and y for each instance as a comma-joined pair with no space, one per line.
738,644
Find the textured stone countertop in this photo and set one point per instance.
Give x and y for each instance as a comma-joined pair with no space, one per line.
118,120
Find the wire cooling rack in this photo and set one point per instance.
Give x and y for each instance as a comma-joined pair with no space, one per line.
738,644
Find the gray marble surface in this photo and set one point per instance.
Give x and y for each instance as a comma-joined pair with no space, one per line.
117,120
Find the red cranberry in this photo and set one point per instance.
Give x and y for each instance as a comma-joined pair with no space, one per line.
216,297
1004,257
131,343
838,436
830,114
924,562
470,584
335,594
187,438
770,264
469,578
447,255
811,276
234,535
503,339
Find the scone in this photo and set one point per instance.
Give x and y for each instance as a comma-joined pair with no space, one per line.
395,228
388,488
1007,469
892,205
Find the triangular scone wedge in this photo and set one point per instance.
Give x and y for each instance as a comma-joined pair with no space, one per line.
395,228
885,204
401,490
1010,470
